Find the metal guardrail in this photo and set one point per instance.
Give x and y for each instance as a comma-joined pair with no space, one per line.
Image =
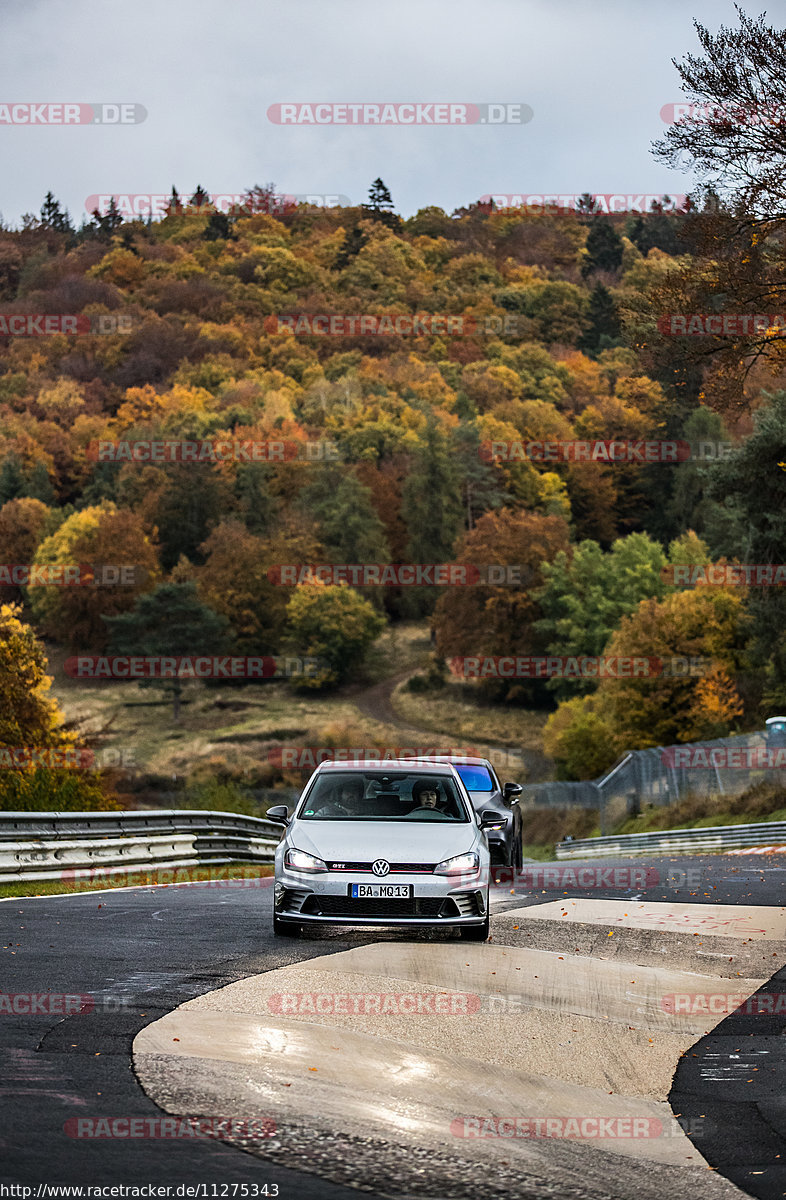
41,846
652,778
677,841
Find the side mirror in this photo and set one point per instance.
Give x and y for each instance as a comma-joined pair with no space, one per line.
278,813
489,819
511,792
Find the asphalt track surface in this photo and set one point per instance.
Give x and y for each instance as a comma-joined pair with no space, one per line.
142,952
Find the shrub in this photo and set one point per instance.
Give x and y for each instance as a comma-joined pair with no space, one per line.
45,790
221,795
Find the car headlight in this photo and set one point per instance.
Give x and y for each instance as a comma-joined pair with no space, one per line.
300,860
461,864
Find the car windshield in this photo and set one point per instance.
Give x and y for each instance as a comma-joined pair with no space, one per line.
475,778
383,796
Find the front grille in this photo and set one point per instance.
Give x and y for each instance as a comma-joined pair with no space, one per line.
343,906
395,868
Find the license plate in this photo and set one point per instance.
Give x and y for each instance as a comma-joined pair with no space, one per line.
381,891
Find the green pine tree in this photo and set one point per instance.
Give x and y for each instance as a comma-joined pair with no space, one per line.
604,329
257,506
172,621
479,483
11,478
38,485
658,229
348,525
55,217
432,509
750,489
354,241
200,198
218,228
380,206
690,505
186,512
587,206
604,247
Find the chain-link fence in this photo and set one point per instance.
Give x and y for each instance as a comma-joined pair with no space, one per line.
665,774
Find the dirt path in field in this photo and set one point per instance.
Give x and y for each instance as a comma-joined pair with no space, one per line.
376,702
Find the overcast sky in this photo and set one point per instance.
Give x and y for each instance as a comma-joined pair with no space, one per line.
596,76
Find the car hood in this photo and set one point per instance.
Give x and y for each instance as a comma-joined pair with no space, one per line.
363,841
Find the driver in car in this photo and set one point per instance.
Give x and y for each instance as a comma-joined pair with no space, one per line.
426,796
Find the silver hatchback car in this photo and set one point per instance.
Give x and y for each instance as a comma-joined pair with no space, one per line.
396,843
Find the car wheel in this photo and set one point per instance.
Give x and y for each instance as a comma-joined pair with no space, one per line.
286,928
476,933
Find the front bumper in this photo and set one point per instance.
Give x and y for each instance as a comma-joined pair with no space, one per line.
326,899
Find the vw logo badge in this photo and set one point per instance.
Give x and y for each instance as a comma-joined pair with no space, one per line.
380,867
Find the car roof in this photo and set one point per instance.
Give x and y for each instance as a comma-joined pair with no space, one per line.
453,759
424,767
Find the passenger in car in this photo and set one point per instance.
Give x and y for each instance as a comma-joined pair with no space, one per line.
345,801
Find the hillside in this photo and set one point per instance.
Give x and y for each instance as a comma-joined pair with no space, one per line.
277,432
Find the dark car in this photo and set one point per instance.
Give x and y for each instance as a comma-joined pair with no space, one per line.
486,792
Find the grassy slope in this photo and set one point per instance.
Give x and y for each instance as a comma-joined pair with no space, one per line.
227,728
455,716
